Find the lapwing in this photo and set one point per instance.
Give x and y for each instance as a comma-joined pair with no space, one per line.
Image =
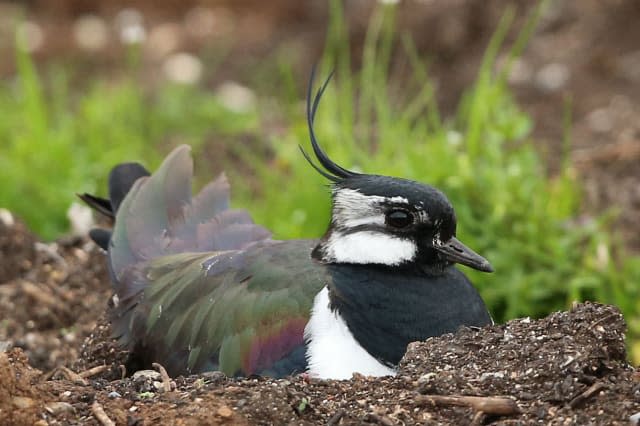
198,286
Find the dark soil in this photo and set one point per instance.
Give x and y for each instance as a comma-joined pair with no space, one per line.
568,368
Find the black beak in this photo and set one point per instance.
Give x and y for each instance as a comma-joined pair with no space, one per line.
454,251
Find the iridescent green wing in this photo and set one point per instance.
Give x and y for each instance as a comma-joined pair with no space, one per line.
241,312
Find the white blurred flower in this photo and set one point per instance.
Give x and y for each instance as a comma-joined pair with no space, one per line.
454,137
236,97
552,77
164,39
6,218
81,219
182,68
130,26
90,32
31,36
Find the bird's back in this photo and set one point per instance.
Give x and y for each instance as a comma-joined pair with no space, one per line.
199,286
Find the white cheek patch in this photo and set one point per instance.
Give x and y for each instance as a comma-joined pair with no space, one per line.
366,247
352,208
332,351
368,220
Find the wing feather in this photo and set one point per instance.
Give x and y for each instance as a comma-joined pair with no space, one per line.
244,318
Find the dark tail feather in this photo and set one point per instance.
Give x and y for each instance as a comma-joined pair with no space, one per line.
121,179
101,205
101,237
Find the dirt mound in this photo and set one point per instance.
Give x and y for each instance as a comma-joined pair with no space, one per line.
17,246
568,368
48,307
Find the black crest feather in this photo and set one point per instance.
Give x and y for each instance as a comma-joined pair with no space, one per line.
331,171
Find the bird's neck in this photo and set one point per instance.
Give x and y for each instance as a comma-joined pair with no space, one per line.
387,308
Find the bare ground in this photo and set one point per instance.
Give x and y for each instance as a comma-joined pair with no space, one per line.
58,365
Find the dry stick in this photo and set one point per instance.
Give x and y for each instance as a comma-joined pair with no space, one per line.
93,371
68,374
102,417
77,378
593,390
166,380
48,375
488,404
73,376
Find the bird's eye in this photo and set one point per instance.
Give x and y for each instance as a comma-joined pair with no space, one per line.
399,218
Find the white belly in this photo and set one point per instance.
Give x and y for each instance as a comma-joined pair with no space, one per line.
332,351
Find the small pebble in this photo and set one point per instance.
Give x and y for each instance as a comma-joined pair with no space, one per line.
114,394
22,402
60,407
225,411
146,374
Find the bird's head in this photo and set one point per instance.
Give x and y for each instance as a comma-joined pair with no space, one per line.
386,220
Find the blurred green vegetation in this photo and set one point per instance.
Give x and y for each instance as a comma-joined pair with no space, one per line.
57,142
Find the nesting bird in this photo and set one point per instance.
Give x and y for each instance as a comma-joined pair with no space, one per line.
200,286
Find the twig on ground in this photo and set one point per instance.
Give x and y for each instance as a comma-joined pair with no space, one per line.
166,380
591,391
102,417
93,371
487,404
67,374
73,376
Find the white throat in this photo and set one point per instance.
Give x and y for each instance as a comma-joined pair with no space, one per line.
368,247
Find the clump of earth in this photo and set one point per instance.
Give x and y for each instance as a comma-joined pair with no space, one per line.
58,365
